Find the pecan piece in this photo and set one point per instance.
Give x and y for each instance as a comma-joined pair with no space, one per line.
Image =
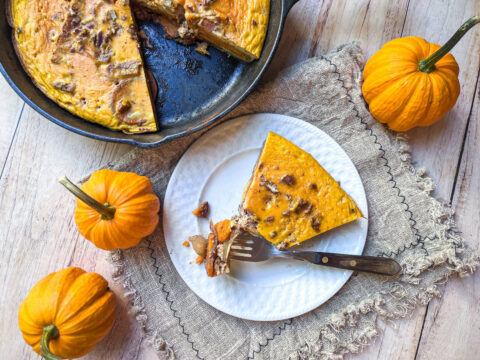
199,244
202,210
127,69
288,180
269,185
302,205
315,225
98,39
64,86
123,106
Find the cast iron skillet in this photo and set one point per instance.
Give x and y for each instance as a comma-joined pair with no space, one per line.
194,90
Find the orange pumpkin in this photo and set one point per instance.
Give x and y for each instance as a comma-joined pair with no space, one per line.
67,313
115,209
410,82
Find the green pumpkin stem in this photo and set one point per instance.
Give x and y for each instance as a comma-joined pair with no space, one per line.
106,211
50,332
428,65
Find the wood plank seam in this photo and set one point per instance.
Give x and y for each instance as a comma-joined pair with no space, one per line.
405,18
12,140
464,138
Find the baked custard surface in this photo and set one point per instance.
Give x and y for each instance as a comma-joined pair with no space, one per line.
292,198
84,55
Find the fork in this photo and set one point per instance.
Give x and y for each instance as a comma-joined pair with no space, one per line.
260,250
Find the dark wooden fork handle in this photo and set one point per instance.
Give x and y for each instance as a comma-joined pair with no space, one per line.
372,264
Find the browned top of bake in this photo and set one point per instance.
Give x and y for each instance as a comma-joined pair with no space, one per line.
84,55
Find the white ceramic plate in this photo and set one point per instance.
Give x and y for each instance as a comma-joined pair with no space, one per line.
216,168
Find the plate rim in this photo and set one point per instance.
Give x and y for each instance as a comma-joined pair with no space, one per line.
297,311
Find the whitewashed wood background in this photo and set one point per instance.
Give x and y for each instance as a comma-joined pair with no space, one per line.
38,234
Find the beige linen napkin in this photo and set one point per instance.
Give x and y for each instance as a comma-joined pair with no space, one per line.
404,223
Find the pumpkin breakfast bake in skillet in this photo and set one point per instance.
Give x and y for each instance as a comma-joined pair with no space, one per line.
85,54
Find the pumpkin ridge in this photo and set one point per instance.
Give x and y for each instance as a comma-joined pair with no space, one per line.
81,322
133,235
432,111
87,225
406,44
98,293
138,186
413,105
62,278
447,83
28,307
139,231
373,87
429,101
140,204
31,332
401,101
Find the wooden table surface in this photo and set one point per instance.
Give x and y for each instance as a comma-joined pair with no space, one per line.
38,234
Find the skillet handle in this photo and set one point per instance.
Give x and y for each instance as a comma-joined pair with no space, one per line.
289,4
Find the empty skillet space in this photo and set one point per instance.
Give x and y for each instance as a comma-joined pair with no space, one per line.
188,82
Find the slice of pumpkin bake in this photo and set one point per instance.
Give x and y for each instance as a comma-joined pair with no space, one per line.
289,199
84,55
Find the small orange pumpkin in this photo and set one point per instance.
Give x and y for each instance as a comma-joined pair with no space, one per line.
115,209
410,82
67,313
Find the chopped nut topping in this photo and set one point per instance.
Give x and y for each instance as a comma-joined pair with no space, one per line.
273,234
104,58
202,48
208,24
302,205
269,185
288,180
199,244
202,210
309,208
315,225
267,199
270,219
123,106
127,68
111,15
145,39
98,39
64,86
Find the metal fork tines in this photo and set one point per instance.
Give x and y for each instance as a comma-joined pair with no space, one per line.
253,249
259,249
